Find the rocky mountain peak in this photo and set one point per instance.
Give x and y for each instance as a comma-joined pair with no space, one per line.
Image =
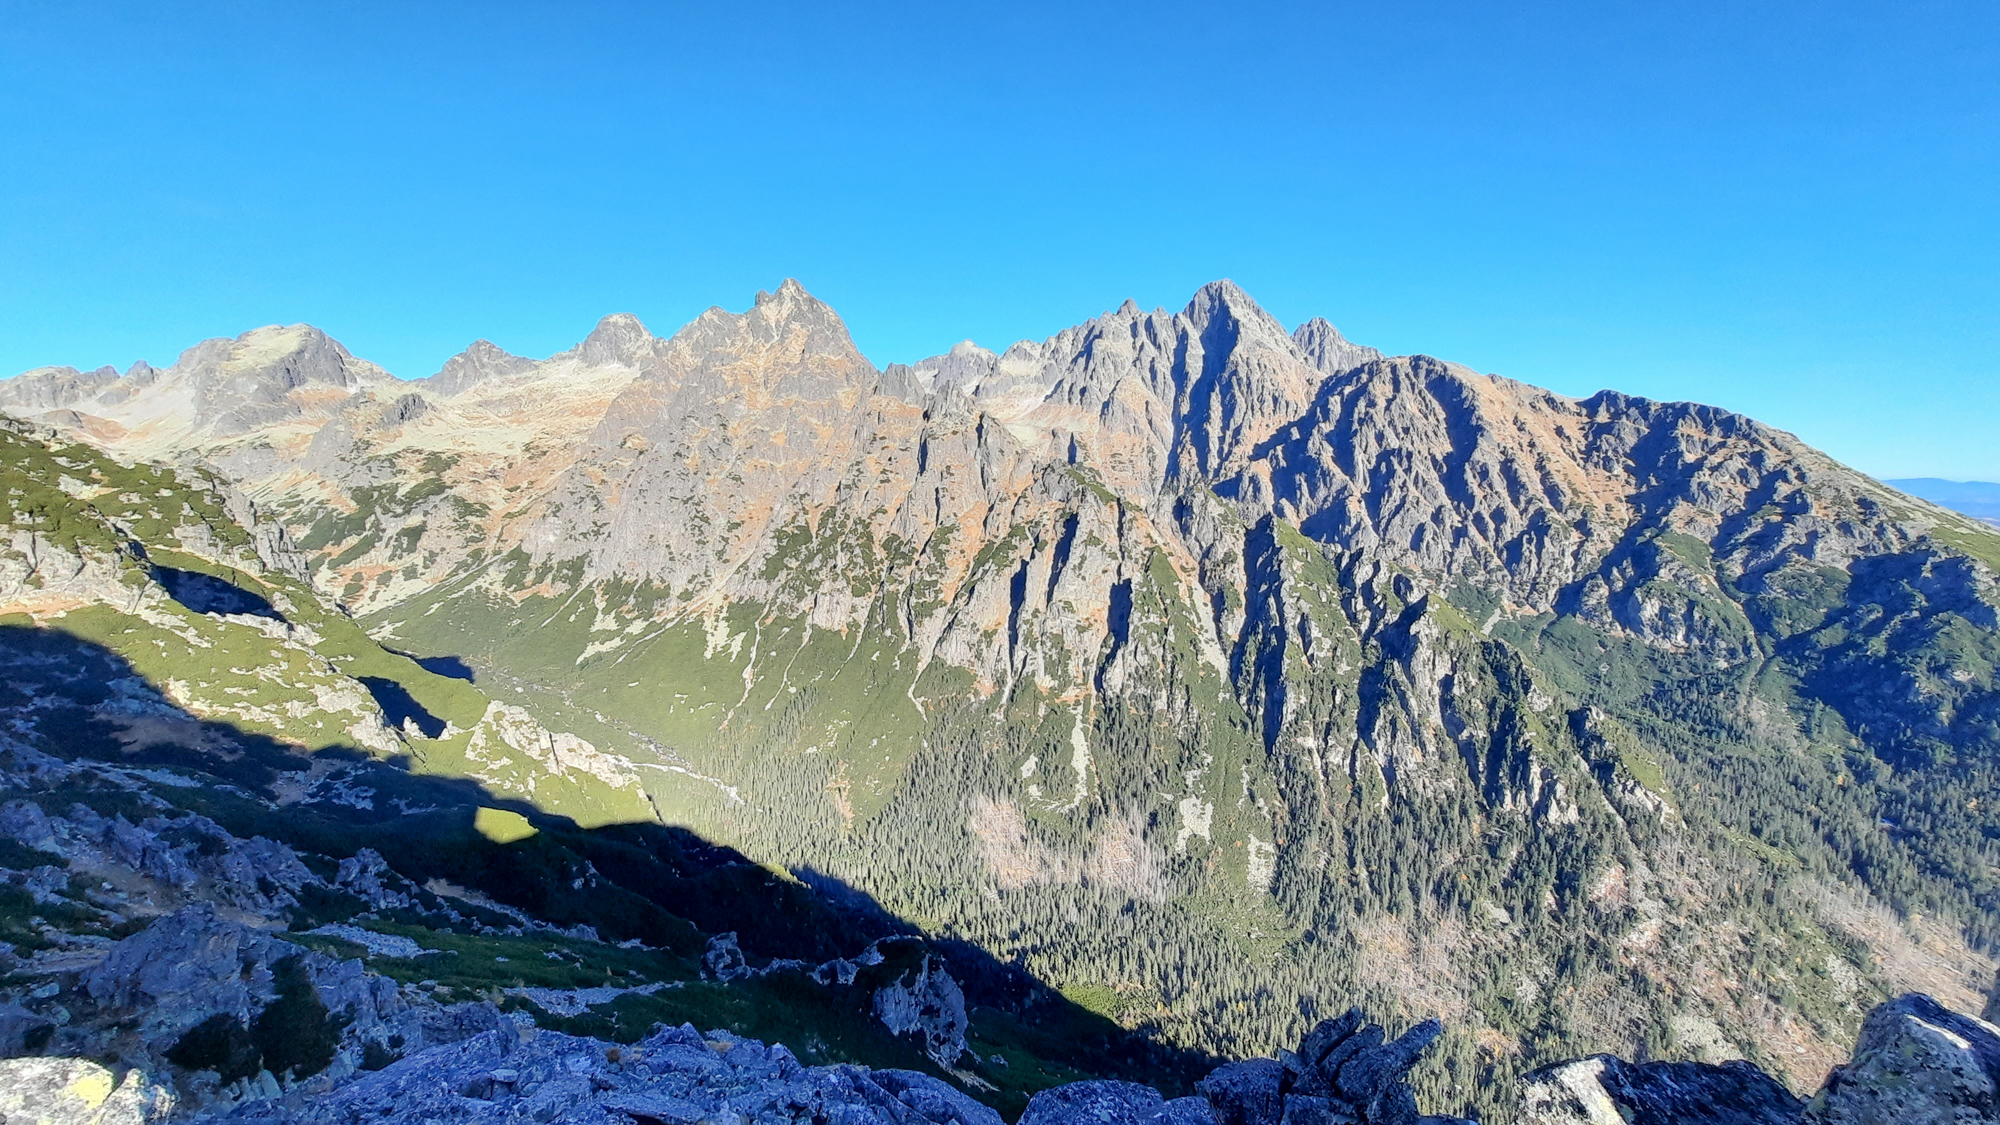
789,292
1250,379
964,367
619,339
219,388
793,309
1224,302
1324,347
287,356
785,334
482,361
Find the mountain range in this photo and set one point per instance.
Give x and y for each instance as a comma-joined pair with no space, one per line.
1976,498
1216,675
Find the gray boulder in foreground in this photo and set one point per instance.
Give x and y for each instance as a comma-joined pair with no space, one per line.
1342,1074
1113,1103
1916,1061
78,1092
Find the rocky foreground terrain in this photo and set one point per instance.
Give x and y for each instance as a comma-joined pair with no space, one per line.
324,1024
1168,686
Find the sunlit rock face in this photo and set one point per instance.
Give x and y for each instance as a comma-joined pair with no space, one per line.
686,461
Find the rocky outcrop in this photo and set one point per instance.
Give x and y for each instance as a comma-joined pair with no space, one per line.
1342,1074
1916,1061
1603,1090
149,997
1114,1103
677,1076
79,1092
923,1001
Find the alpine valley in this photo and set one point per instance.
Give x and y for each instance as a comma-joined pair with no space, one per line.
1190,678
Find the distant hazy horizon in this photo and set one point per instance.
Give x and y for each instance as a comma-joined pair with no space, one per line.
1979,499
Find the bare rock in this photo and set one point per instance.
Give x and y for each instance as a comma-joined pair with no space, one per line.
926,1002
1916,1060
1602,1089
1250,1092
1342,1074
934,1099
1095,1103
723,959
78,1092
185,967
367,876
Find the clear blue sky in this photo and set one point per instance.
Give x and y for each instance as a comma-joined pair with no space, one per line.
1791,209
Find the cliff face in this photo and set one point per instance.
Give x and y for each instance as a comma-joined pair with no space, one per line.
1408,676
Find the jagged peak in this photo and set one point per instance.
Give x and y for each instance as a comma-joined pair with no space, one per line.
790,304
789,291
788,313
480,361
484,349
619,339
1225,298
619,322
1224,303
1324,347
1220,293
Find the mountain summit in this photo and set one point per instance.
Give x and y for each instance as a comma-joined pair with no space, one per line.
1210,670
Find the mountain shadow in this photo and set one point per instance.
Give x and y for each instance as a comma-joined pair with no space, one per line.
205,593
400,707
662,886
450,667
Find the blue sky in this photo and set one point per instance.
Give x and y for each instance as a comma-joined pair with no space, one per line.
1787,209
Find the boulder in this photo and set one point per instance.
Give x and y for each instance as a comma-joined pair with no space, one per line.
1915,1061
78,1092
1370,1074
1250,1092
185,967
367,876
1095,1103
1342,1074
934,1099
723,960
25,822
1191,1110
927,1003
